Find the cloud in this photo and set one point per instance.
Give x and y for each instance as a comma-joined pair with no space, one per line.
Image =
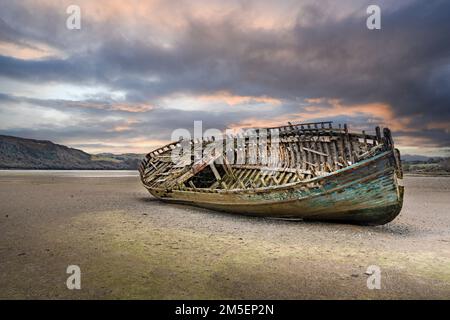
238,63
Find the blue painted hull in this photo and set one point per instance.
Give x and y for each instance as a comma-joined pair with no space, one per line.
364,193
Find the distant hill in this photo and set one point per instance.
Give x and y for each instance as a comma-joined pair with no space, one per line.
20,153
414,158
426,165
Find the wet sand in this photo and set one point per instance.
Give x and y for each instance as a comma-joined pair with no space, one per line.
128,245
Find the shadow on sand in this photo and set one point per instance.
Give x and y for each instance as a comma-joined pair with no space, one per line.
393,228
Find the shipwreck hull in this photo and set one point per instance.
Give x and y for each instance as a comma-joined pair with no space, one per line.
366,193
333,184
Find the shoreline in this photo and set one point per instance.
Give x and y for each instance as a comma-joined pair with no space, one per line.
44,170
427,174
71,173
408,174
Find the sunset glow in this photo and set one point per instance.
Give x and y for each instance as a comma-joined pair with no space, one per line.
138,70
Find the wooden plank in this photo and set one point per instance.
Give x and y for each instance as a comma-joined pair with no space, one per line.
303,155
287,177
244,178
277,169
312,165
378,134
343,150
262,180
323,156
348,144
326,146
237,178
355,147
281,176
256,179
316,152
300,176
192,185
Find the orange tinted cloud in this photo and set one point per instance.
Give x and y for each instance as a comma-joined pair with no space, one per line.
166,18
178,13
130,107
320,108
445,125
233,100
28,51
118,106
266,123
127,126
376,112
116,145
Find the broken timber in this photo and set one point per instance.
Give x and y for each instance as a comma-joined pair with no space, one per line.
312,171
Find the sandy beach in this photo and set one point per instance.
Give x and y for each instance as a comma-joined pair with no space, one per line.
129,245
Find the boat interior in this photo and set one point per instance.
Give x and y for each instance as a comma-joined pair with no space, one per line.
261,158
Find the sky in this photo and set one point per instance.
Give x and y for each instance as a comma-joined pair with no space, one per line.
137,70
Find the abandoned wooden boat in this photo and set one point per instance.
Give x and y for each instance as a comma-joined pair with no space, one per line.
312,171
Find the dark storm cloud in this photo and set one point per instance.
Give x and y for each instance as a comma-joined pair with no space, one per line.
435,136
73,70
406,64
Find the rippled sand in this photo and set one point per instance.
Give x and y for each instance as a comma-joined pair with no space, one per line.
128,245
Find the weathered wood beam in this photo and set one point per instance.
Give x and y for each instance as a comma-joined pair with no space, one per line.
316,152
192,185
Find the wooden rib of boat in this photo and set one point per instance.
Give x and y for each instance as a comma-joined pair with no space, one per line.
309,171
